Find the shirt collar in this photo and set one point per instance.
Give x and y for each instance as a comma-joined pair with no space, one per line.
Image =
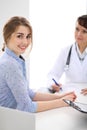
81,55
12,54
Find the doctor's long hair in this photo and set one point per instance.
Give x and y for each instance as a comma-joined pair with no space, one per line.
10,27
82,20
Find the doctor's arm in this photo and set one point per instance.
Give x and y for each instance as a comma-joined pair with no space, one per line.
57,71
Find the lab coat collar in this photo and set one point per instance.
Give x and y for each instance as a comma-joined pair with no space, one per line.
81,55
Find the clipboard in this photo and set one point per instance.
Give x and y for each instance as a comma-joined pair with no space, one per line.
82,107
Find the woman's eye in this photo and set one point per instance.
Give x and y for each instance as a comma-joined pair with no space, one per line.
29,36
77,29
84,31
19,36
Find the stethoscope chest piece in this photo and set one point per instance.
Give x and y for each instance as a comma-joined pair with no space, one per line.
66,67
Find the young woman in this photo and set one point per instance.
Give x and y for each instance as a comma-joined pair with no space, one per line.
14,88
73,59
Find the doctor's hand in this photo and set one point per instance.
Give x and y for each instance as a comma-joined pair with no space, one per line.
84,91
56,88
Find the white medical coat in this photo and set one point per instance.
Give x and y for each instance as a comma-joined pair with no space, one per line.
76,72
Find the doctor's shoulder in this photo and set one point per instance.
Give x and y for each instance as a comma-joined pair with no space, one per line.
66,50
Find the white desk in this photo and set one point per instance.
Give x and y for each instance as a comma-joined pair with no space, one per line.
65,118
61,119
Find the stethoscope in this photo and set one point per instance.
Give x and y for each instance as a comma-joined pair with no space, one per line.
68,58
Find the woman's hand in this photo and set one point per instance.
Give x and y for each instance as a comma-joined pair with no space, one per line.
84,91
69,96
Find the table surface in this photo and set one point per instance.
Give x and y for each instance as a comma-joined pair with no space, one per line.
65,118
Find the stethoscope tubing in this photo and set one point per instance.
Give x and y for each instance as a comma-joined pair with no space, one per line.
68,58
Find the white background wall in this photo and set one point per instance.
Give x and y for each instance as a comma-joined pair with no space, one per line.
53,27
10,8
53,24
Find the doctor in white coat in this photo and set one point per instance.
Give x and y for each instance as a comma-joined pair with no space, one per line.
72,60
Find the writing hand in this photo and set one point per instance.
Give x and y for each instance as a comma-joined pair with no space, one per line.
56,88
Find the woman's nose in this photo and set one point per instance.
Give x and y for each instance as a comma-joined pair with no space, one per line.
80,33
25,40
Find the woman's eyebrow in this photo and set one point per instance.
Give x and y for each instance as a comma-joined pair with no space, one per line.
20,33
23,33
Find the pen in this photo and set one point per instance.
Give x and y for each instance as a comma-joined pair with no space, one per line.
56,83
51,90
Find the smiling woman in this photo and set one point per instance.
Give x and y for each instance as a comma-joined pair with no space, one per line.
20,39
15,91
20,34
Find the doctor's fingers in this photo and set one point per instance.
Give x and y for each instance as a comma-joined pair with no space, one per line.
56,87
84,91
